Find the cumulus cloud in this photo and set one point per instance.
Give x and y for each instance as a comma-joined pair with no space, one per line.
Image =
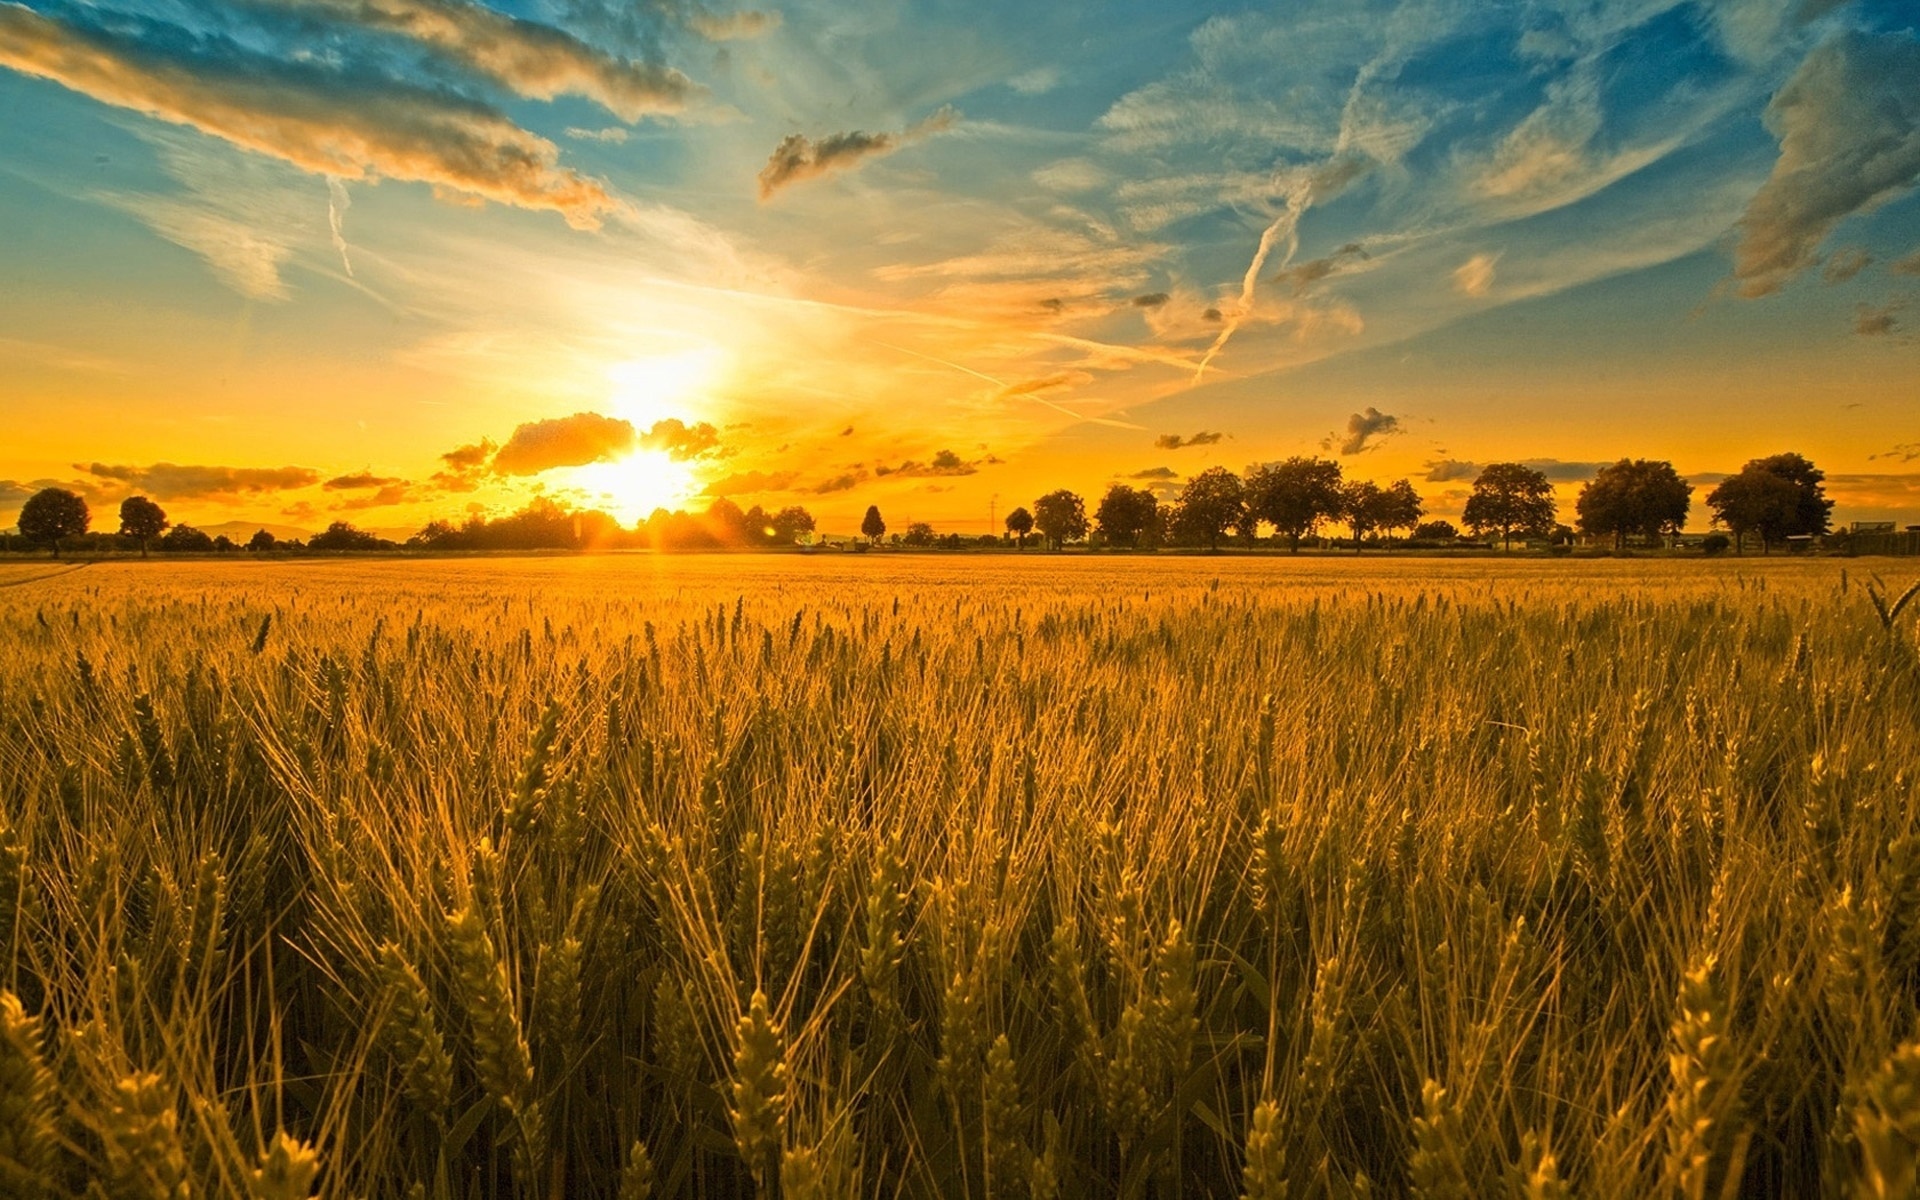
1159,473
351,126
1173,441
1869,321
1371,426
612,134
532,60
843,482
172,481
1452,470
798,158
573,441
397,491
1848,123
680,440
1475,276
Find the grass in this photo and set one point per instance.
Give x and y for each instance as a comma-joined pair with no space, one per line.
1032,877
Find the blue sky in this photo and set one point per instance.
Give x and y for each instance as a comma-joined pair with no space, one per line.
931,254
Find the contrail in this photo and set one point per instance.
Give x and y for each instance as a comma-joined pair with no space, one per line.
1298,197
338,202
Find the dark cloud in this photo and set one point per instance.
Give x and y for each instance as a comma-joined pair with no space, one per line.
1904,452
1173,441
335,121
1869,321
533,60
843,482
1302,276
1162,473
397,491
1845,263
171,481
1151,300
362,479
946,462
798,157
1848,123
1212,314
680,440
1451,470
1371,426
571,441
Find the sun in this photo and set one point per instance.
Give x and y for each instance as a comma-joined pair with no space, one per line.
643,391
632,487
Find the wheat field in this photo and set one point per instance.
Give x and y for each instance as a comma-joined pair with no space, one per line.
1008,877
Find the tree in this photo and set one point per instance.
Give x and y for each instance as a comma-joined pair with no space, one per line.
142,520
185,539
1213,502
1061,517
1400,506
1435,531
1125,513
1777,497
341,535
1295,496
919,533
790,524
1020,524
1363,501
1510,498
262,541
52,515
871,525
1634,496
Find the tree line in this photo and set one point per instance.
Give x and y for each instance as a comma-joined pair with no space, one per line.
1772,499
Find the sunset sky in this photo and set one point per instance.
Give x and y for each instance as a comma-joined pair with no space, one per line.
296,261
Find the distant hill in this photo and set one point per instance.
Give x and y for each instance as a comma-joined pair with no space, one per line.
240,531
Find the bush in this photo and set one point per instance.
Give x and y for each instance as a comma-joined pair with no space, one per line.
1715,543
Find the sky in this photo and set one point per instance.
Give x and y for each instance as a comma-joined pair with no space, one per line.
289,262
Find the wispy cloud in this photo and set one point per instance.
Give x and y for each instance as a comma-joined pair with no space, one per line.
1173,441
1365,431
798,158
173,481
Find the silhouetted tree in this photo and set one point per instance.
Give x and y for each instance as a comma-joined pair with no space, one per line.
1020,524
1125,513
1777,497
871,525
185,539
1061,517
1213,502
1362,502
790,523
1295,496
142,520
341,535
1435,531
52,515
1632,496
919,533
1510,498
1400,506
262,541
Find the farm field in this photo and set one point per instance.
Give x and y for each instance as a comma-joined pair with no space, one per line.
1009,876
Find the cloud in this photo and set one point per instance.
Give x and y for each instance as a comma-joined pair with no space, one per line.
1364,427
1904,452
1173,441
680,440
1910,265
573,441
1036,82
1160,473
328,121
171,481
743,483
533,60
612,135
397,491
1070,175
1045,383
358,480
1450,470
1848,123
1869,321
1843,264
844,482
1304,275
946,462
1475,276
1151,300
734,26
798,157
